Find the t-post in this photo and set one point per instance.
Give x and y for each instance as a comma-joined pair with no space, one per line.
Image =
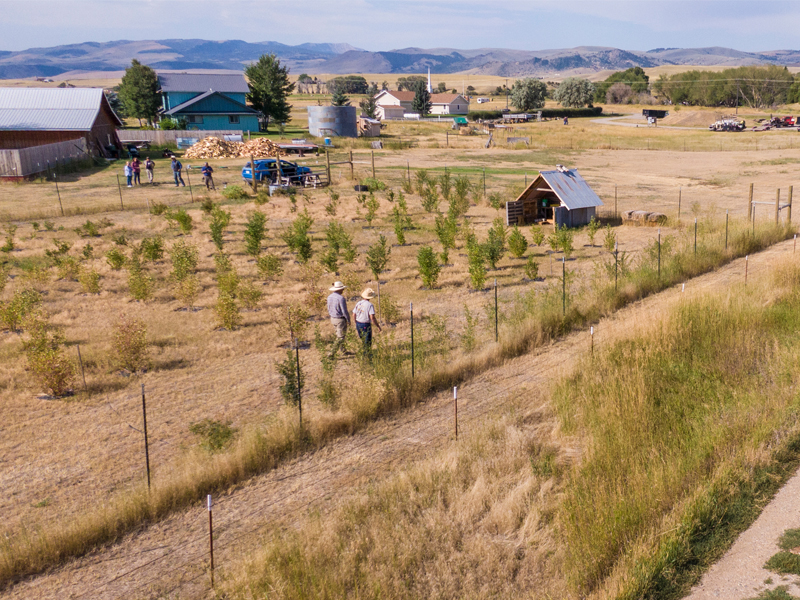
564,284
496,332
726,229
695,236
299,393
146,445
411,308
55,179
659,253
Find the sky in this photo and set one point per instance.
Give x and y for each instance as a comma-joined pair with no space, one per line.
393,24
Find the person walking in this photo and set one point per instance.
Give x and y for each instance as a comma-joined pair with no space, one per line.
337,309
128,173
149,165
136,165
364,313
177,167
207,176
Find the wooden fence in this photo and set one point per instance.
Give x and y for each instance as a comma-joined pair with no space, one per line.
38,159
170,136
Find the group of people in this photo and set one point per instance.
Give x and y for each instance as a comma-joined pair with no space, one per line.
363,313
133,171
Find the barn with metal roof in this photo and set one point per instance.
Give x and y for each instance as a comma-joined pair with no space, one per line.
561,196
38,116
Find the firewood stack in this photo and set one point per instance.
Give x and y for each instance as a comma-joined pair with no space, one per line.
213,147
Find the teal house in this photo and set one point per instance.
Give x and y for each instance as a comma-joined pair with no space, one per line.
207,101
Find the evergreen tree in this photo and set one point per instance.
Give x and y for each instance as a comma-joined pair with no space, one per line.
269,88
369,107
138,92
422,99
339,98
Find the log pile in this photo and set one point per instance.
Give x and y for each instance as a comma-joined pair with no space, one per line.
213,147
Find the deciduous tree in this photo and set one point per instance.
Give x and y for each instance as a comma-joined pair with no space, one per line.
528,94
138,92
270,88
574,92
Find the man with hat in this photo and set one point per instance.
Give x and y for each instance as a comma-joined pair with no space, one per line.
337,309
364,313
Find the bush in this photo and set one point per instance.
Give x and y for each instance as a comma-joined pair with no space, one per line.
374,185
182,218
152,248
495,245
158,208
592,229
269,266
248,294
531,268
428,266
220,219
372,206
235,192
87,251
227,311
537,234
11,229
14,311
333,203
89,280
378,256
262,197
120,239
186,290
517,244
430,197
68,268
116,259
207,205
140,284
609,239
44,350
184,260
129,344
215,434
254,232
293,379
296,237
88,229
477,266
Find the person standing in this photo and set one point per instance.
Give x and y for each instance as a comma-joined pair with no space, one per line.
136,165
177,167
149,165
207,176
364,313
128,173
337,309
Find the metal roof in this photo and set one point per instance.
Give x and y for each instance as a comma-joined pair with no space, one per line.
244,110
200,82
571,189
66,109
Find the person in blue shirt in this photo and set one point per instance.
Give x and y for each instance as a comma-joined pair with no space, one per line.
207,178
177,167
128,173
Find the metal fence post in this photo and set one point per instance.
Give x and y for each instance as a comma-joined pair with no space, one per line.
411,306
496,332
146,444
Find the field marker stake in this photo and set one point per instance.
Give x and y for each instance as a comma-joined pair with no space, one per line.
299,392
496,333
328,165
455,410
352,176
80,361
119,187
411,305
789,202
777,205
750,203
146,444
591,335
745,268
211,538
726,230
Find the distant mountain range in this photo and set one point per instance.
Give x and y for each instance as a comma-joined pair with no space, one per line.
344,58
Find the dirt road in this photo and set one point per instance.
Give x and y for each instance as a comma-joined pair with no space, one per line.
171,556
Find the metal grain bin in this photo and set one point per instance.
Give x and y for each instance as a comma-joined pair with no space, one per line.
332,121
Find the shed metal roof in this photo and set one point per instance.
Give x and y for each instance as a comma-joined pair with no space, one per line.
571,189
65,109
201,82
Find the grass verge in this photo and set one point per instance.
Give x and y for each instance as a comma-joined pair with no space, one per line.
534,320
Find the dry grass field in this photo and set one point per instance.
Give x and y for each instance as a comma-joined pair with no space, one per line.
69,459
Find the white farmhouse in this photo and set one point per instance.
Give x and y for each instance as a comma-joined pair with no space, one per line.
392,105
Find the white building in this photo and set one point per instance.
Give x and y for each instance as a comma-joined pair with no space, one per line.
392,105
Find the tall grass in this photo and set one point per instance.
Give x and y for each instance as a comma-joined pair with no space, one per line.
687,428
680,426
534,319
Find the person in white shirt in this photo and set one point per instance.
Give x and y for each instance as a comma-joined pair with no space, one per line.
364,313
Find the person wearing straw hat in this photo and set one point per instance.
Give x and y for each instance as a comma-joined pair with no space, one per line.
364,313
337,309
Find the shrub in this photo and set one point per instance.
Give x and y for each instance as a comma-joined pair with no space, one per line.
469,336
296,236
89,280
235,192
49,225
477,266
292,320
186,290
227,311
61,249
152,248
207,205
565,237
158,208
446,185
430,197
182,218
248,294
262,197
446,230
88,229
374,185
184,260
11,229
459,205
68,268
219,221
254,232
537,235
428,266
517,244
120,239
22,303
3,277
115,259
399,224
609,239
215,435
129,344
378,256
293,380
372,206
496,201
592,229
422,181
269,266
531,268
333,203
44,350
87,251
495,245
140,284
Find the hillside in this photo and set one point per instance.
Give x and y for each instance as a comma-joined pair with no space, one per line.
344,58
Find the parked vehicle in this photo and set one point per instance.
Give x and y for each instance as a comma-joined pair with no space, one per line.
267,172
482,100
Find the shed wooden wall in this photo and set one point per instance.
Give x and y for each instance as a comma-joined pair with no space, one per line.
37,159
165,136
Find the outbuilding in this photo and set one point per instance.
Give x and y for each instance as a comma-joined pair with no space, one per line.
562,196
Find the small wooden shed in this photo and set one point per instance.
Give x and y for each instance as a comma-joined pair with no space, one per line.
562,196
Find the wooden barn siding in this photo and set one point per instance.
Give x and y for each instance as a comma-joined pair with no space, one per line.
36,159
15,140
160,136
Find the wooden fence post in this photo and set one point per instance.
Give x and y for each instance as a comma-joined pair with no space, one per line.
777,205
328,165
750,203
373,163
253,173
352,176
789,207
